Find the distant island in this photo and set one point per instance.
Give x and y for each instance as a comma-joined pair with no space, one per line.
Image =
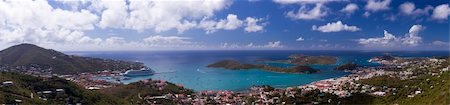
29,57
347,66
235,65
301,59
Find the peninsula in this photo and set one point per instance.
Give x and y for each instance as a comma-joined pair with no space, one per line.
30,58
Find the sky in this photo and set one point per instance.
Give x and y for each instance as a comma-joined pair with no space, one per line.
124,25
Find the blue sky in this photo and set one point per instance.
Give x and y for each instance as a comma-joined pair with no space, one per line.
227,25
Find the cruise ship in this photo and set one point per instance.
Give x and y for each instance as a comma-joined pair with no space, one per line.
142,72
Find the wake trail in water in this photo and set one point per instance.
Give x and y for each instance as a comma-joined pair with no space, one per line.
201,71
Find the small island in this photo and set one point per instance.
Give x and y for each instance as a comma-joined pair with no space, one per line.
348,66
301,59
235,65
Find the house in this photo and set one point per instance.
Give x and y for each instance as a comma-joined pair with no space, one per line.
378,93
8,83
59,90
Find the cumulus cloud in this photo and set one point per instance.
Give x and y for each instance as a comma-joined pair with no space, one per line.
252,25
299,39
377,5
276,44
159,39
411,38
335,27
350,8
387,40
232,22
113,13
38,22
304,14
441,12
166,15
409,8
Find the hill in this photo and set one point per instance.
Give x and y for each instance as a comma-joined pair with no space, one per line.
29,55
145,91
31,90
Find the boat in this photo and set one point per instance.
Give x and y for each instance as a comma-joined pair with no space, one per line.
142,72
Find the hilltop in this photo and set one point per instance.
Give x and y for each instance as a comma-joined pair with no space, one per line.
30,56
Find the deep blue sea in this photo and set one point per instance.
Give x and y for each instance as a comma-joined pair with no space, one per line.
189,67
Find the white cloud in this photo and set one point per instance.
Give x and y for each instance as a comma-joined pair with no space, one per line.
440,43
335,27
409,8
412,38
299,39
166,15
159,39
232,22
350,8
387,40
252,25
366,14
115,41
304,14
38,22
113,13
303,1
269,45
377,5
276,44
441,12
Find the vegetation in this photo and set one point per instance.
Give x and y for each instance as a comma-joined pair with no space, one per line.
347,66
28,89
435,90
300,59
232,64
29,55
135,92
235,65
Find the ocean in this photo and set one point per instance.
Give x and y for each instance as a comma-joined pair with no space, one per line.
188,68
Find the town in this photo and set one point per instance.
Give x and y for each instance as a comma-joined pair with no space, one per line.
324,91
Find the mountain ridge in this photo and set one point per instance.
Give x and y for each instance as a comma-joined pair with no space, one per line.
30,55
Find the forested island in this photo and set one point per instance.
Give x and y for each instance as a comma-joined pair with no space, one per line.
300,59
235,65
347,66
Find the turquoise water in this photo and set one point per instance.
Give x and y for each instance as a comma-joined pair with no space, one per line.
188,67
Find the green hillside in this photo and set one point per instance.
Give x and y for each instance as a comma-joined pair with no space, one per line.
26,86
35,56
